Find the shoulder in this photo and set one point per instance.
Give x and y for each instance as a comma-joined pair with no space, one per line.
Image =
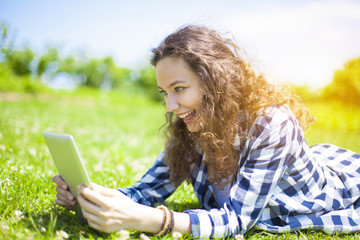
272,118
274,114
271,122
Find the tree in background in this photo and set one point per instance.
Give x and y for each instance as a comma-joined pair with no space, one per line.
95,73
51,56
18,60
104,73
16,66
345,85
4,39
147,82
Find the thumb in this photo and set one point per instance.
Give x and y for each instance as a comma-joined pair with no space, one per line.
108,192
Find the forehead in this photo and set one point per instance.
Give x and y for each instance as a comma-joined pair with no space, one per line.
170,69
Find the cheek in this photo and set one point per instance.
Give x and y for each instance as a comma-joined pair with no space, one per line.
194,98
199,99
199,102
192,101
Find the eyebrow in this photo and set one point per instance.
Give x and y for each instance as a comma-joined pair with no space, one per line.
174,83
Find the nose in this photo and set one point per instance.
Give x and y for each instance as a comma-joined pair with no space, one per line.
171,103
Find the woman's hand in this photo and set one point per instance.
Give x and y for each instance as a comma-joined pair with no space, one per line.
63,196
106,209
109,210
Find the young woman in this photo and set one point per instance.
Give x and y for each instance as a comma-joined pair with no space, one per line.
240,142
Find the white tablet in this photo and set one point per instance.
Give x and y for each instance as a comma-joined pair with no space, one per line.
68,161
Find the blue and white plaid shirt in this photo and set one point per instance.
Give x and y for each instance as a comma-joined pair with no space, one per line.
282,184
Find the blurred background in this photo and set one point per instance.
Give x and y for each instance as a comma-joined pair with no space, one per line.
82,67
106,45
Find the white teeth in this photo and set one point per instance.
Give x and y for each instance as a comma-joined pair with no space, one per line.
185,115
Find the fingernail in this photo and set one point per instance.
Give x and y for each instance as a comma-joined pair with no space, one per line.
70,197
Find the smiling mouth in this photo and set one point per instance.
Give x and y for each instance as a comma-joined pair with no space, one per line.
188,117
184,115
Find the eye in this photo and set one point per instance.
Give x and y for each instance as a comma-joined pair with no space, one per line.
179,89
162,92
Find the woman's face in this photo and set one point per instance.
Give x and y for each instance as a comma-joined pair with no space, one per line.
181,90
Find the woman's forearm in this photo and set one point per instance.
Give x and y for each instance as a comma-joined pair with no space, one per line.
182,223
150,220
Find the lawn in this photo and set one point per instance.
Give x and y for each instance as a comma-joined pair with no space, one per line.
118,137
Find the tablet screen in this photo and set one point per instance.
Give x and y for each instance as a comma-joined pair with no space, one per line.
67,160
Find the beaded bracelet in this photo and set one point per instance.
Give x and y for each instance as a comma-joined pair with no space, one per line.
163,221
167,221
171,222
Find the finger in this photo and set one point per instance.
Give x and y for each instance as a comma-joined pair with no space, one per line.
94,225
91,216
59,181
64,204
88,206
109,192
65,193
91,195
66,198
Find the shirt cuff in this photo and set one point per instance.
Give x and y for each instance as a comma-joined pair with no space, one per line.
194,224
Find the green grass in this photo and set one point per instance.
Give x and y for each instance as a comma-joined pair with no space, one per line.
118,137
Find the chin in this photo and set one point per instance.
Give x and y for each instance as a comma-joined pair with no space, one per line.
193,128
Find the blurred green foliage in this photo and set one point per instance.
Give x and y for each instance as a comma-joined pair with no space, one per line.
51,56
345,85
19,60
25,70
147,82
95,73
25,67
10,82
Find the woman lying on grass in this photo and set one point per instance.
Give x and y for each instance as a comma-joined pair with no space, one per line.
240,142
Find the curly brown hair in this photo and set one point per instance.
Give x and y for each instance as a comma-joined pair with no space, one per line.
230,88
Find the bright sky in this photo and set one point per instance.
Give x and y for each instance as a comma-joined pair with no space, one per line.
299,41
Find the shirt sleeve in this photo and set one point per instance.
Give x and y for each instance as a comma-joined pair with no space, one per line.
265,157
154,187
